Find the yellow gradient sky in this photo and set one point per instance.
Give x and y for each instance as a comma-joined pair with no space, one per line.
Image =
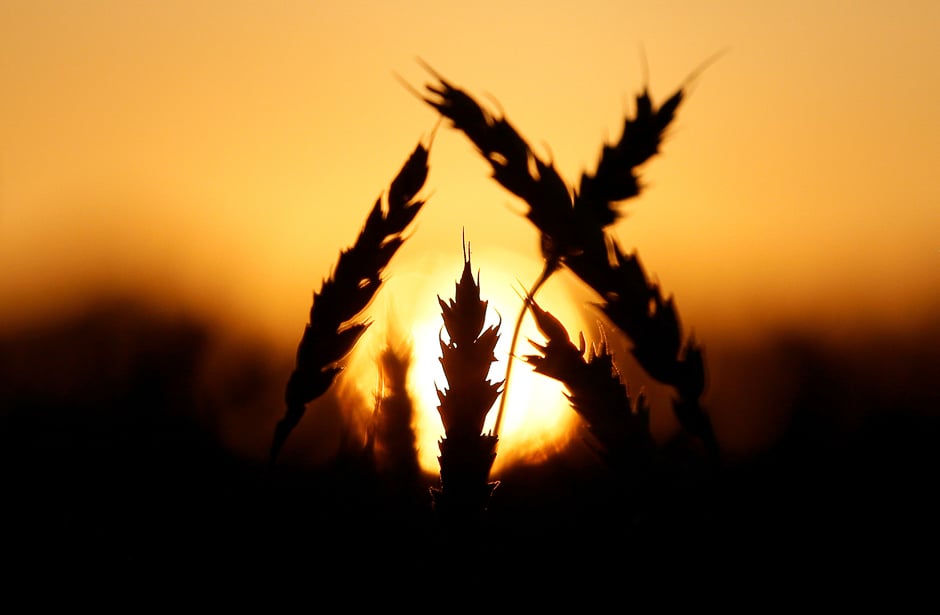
216,155
224,151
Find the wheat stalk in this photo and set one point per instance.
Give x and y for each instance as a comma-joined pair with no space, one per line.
467,454
333,329
618,422
573,227
394,441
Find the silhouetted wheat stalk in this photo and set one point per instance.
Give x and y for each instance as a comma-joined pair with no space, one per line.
618,422
393,437
332,330
572,224
467,454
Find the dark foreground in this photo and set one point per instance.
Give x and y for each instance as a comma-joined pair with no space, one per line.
112,469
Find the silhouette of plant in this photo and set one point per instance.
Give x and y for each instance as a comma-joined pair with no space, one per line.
467,454
573,222
392,435
332,330
618,422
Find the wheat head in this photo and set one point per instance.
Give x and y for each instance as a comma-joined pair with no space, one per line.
618,422
333,329
467,454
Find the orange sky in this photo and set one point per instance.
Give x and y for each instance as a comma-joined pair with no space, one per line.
219,154
224,151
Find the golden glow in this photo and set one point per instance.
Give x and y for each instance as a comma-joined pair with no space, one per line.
538,419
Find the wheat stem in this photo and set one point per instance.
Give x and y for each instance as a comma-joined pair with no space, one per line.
551,265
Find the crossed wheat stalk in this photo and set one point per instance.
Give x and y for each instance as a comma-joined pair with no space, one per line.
573,222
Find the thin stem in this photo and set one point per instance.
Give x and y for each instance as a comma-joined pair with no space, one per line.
550,266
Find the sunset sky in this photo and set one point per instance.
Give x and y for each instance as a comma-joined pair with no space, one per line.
216,155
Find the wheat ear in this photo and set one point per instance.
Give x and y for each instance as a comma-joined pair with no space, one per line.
332,330
467,454
618,422
394,437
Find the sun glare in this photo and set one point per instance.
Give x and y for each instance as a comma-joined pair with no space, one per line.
537,419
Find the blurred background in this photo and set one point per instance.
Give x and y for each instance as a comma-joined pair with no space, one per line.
177,178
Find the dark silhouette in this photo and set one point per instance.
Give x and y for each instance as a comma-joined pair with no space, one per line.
331,332
111,461
467,454
392,441
617,423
